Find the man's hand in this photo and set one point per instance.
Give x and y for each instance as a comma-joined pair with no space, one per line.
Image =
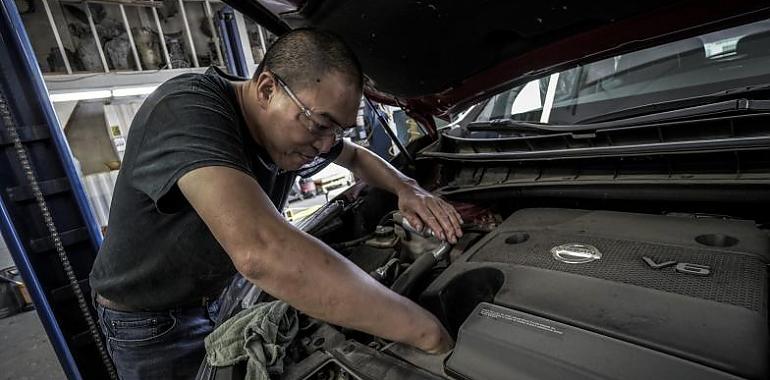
420,208
438,342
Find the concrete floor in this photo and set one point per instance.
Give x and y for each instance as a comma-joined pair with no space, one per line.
25,352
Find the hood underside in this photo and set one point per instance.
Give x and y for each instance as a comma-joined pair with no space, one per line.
437,57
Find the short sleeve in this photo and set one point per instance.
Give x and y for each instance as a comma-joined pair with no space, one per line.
186,130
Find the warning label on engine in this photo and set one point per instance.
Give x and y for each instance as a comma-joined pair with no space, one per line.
505,317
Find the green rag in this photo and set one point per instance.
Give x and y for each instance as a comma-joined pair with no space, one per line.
259,335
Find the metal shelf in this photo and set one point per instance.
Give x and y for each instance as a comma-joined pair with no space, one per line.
122,6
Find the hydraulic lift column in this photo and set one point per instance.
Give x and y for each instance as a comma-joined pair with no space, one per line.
45,217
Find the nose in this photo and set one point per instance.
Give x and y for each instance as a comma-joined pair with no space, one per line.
323,144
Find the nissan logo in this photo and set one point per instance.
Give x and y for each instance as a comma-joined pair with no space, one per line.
576,253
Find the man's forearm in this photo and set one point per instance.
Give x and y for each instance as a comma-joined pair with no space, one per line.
297,267
318,281
377,172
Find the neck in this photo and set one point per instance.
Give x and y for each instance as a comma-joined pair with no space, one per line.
247,112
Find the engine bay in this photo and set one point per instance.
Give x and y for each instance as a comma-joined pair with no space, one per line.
560,293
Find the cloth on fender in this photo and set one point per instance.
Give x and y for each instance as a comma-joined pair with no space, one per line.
259,335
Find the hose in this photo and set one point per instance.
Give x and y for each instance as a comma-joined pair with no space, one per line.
350,243
418,269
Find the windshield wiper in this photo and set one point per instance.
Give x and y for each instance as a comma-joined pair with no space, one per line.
688,106
726,106
519,126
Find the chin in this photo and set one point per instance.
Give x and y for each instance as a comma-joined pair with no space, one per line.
290,163
289,166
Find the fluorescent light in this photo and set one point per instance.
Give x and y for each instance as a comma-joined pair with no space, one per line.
133,91
80,95
100,94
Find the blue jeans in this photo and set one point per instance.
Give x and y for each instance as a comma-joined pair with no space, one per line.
157,345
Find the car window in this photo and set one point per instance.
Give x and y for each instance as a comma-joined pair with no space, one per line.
708,63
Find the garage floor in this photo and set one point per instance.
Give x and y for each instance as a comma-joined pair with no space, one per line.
25,352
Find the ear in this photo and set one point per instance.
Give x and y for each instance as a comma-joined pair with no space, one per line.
265,84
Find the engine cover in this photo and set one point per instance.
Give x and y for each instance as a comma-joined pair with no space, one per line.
693,291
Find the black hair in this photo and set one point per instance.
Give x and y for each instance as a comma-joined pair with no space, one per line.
302,56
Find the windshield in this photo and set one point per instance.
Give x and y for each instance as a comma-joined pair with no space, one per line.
701,65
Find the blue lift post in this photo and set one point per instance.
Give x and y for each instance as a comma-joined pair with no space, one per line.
28,117
28,123
231,43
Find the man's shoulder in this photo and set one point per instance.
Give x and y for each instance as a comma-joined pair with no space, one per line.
191,96
180,104
195,84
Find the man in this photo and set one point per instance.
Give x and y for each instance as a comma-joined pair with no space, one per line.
209,160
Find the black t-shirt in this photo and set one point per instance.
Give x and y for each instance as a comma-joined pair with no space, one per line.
158,253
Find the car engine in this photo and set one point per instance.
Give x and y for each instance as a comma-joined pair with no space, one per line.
560,293
553,293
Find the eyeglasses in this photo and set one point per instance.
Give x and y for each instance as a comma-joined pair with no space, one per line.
316,127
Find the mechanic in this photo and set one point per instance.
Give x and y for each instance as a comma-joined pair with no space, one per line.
208,160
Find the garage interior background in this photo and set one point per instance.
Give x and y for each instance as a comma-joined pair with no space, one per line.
115,54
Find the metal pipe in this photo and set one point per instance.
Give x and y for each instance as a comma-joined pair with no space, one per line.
210,18
96,38
391,134
262,40
189,35
162,38
232,31
227,50
245,45
138,3
130,38
57,37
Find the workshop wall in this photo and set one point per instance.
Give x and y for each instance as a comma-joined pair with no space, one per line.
87,135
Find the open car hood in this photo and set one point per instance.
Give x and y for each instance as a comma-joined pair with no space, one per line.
438,57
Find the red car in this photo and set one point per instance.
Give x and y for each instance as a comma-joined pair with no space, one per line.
610,160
